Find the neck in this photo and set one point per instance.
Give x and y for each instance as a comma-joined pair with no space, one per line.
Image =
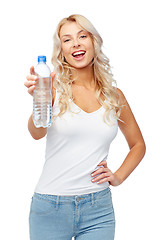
84,77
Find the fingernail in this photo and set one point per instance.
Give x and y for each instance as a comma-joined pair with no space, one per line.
92,174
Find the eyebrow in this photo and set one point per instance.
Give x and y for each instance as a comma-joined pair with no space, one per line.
66,35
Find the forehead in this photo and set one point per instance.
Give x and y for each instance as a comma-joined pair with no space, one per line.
70,28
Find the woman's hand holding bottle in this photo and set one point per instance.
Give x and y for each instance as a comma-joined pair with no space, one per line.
32,80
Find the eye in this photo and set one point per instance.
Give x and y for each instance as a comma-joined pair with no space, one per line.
83,36
66,40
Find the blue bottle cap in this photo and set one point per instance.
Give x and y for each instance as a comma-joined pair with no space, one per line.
41,58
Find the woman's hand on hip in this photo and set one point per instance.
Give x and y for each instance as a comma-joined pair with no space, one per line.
105,175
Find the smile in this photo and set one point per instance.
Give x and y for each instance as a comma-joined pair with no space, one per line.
79,55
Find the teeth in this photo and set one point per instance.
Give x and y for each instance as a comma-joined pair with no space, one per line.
77,53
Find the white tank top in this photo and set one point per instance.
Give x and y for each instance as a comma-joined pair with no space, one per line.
75,145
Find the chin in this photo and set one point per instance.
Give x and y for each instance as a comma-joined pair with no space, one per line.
81,65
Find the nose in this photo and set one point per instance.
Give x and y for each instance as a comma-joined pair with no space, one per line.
76,43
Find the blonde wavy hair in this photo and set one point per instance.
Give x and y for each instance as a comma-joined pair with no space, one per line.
103,76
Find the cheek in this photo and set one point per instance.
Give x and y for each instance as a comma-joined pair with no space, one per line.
66,54
91,52
64,49
90,48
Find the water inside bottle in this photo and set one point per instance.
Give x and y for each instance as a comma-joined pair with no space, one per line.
42,103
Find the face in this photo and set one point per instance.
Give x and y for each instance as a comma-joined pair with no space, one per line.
77,45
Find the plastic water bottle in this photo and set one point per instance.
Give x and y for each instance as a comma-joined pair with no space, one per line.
42,96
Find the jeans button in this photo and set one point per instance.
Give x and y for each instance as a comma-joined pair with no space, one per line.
79,198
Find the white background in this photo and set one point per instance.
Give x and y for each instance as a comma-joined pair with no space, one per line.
130,30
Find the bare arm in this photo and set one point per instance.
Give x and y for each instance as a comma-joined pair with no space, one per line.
36,133
132,133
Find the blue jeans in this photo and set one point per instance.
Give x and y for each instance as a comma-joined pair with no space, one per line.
84,217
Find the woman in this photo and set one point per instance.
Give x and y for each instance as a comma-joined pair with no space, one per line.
72,197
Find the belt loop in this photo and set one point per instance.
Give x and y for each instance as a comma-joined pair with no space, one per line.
92,199
57,202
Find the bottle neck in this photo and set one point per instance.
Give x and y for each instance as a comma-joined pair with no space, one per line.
41,62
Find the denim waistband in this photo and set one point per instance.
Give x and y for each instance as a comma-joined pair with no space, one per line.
74,198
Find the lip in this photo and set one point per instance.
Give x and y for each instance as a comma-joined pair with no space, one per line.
78,51
79,58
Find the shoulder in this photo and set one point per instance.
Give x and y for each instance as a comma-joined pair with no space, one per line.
119,91
121,96
126,114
